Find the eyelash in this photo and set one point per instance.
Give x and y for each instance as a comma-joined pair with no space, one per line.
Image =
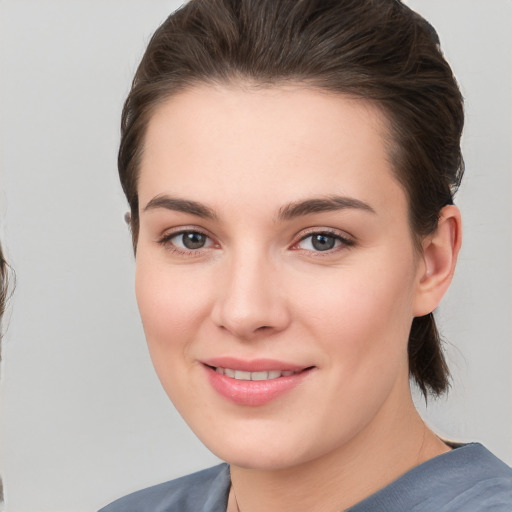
344,242
165,241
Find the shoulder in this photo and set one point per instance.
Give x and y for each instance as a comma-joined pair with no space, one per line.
480,481
468,478
205,490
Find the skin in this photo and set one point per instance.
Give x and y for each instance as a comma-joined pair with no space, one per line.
259,288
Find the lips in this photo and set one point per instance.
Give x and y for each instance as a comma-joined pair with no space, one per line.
262,375
253,383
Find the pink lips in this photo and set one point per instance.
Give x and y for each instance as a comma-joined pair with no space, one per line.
253,392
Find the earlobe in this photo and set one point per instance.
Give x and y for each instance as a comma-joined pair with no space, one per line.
440,252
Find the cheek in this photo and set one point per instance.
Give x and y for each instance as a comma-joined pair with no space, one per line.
363,315
362,327
170,308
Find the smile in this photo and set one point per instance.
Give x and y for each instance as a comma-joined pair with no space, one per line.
260,375
254,383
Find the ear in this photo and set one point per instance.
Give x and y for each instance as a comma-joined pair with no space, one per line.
437,264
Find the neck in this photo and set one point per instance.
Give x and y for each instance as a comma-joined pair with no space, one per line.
379,454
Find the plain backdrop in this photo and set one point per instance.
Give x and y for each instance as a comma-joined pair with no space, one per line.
83,417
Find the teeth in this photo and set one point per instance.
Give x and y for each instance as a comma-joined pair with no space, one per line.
240,375
264,375
259,376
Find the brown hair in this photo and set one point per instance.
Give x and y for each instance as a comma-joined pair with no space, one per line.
379,50
4,295
4,287
3,300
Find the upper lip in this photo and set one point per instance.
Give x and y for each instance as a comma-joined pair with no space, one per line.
253,365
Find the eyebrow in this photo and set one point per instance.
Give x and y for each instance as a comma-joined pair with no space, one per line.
327,204
287,212
181,205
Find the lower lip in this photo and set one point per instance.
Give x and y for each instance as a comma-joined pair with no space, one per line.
253,392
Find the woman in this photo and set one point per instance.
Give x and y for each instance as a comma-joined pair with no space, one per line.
290,168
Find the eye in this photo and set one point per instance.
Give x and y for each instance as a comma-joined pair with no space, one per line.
190,240
322,242
186,241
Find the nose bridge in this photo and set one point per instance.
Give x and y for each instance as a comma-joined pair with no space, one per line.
250,301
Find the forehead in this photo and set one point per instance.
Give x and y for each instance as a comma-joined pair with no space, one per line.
282,142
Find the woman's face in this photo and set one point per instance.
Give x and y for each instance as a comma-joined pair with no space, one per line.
276,274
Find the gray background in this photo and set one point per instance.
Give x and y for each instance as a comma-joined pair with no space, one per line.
83,418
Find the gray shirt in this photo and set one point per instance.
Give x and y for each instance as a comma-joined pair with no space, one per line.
468,478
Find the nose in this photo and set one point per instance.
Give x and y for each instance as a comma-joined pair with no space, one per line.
251,302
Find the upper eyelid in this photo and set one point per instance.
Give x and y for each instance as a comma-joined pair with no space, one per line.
172,232
344,235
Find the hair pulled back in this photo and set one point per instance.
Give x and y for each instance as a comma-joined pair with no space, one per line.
377,50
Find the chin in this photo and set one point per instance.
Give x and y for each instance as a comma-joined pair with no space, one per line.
259,449
258,458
